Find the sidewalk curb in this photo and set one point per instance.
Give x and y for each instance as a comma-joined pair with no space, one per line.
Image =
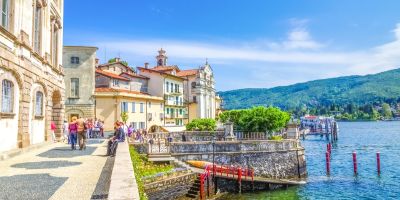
15,152
123,184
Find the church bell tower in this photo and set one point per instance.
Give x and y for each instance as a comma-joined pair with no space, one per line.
161,58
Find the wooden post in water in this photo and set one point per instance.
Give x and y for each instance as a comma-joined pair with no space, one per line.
378,163
355,162
328,163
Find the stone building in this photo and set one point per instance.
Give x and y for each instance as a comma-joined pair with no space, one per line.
31,75
199,89
165,82
120,89
79,64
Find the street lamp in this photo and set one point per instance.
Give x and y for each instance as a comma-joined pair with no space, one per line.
214,179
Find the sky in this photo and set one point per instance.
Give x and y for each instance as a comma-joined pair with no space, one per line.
249,44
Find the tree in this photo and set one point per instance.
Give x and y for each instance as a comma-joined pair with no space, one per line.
202,125
262,119
386,111
256,119
124,117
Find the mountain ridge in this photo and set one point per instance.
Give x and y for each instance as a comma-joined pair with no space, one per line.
357,89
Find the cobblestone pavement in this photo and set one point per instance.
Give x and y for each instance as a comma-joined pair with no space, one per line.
56,172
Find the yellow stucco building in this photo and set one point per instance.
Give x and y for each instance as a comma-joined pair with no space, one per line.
119,89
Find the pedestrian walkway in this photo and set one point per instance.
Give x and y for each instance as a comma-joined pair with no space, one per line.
56,172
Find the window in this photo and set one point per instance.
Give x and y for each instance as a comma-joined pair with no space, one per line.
180,111
149,104
176,100
141,108
167,110
115,82
74,60
194,99
4,13
124,107
54,44
133,107
39,104
193,84
172,87
7,97
167,86
172,112
74,87
176,88
142,125
37,28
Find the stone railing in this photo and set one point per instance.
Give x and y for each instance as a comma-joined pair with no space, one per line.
233,146
192,136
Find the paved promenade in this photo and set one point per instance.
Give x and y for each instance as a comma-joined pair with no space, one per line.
56,172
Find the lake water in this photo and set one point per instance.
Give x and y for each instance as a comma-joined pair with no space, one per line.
366,138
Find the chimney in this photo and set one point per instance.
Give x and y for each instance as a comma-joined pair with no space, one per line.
117,59
96,62
146,65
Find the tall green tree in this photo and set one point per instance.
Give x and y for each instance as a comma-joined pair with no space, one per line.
386,111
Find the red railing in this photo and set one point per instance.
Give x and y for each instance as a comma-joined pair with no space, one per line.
228,171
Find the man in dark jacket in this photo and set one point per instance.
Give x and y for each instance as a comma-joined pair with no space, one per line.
113,142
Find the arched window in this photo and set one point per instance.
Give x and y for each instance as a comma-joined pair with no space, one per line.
7,96
39,104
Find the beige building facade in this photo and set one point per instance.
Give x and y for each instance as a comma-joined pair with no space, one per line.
79,64
31,73
120,89
164,82
199,89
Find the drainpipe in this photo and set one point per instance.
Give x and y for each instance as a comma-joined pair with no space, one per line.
146,115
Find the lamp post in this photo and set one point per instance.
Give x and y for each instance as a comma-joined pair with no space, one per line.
214,179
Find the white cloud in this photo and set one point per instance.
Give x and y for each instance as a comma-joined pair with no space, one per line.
299,52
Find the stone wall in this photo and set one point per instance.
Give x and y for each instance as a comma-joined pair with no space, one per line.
86,111
270,159
171,188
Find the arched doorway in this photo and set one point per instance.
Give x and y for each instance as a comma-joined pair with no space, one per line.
57,115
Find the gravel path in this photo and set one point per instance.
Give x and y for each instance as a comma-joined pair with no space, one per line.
56,172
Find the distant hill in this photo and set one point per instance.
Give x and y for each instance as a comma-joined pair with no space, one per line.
340,91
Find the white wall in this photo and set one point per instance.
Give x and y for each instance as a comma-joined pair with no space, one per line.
37,129
9,127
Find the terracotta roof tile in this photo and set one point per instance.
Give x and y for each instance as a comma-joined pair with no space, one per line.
135,75
119,90
187,72
111,75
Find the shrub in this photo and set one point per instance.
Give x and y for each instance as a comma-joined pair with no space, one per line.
142,168
202,125
276,137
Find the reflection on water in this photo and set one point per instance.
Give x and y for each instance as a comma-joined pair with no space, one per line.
366,138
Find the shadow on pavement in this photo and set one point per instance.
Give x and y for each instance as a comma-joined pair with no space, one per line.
103,184
94,141
45,164
30,186
65,152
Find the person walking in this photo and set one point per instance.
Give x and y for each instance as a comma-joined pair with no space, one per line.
66,132
81,133
73,129
53,129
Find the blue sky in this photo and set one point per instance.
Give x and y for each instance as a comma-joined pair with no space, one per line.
249,44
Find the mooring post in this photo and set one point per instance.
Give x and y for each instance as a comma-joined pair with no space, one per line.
355,162
239,178
378,163
208,185
328,164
